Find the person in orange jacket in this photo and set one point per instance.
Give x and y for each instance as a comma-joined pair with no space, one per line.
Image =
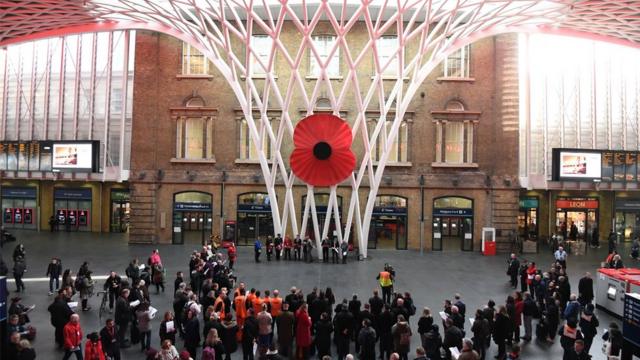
240,307
232,254
93,347
72,338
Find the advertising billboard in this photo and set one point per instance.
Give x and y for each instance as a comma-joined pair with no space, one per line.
73,156
580,165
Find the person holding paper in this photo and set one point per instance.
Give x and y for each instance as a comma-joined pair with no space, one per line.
123,317
168,328
60,313
467,352
143,315
109,339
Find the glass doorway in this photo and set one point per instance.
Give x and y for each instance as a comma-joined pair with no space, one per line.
192,221
254,219
576,225
120,211
388,229
452,227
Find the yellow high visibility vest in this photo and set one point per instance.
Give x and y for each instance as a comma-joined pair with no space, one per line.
385,279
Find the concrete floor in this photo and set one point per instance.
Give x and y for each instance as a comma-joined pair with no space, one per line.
431,279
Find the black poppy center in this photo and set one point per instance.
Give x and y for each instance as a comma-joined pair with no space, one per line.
322,150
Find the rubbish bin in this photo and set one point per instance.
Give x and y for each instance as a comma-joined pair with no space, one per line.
489,248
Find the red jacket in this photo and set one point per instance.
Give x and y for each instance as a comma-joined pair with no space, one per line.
519,308
93,351
72,335
303,329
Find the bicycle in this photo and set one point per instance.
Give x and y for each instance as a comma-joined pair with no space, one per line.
103,304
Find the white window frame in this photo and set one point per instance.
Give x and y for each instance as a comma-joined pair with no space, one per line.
398,155
386,47
262,47
468,139
246,147
188,52
207,137
462,59
323,45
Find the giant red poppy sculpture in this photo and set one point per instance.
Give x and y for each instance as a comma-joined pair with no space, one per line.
322,154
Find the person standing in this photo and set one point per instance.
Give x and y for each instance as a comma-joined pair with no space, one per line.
60,313
93,347
568,336
73,338
257,250
249,335
123,317
297,247
589,326
401,333
277,243
269,245
529,311
19,268
386,284
285,325
192,333
512,270
265,334
323,329
112,285
343,324
501,331
303,332
613,239
109,339
54,270
367,340
595,237
143,317
481,330
232,254
585,289
561,256
325,250
288,244
467,352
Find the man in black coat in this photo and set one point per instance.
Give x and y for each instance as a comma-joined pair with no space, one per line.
585,289
109,340
512,270
367,341
384,323
192,333
60,313
452,337
249,335
123,317
112,285
376,303
343,323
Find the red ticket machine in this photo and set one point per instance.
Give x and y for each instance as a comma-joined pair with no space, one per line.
61,215
83,217
17,216
8,216
28,216
73,217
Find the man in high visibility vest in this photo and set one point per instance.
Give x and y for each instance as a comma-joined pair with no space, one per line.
386,284
240,307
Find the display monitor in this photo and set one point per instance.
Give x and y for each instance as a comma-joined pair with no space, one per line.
74,156
577,165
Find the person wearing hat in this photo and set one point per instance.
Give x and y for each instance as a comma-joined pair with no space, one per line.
184,355
93,347
589,326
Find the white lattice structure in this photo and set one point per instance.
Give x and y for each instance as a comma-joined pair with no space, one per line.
432,29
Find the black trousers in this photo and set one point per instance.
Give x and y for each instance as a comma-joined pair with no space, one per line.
386,294
112,298
325,254
247,350
514,280
287,254
19,283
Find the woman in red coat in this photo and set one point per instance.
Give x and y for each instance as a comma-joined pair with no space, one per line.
93,348
303,332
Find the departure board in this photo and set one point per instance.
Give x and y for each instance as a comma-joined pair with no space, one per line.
23,157
607,166
3,156
619,172
631,166
631,318
12,156
34,156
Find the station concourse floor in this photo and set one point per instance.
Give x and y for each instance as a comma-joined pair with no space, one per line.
430,278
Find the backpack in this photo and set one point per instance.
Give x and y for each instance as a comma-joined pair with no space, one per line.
78,283
405,338
208,353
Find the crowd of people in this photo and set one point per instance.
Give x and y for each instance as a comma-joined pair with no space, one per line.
301,249
214,315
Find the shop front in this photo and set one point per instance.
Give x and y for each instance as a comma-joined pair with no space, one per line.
72,209
322,203
528,218
452,224
627,218
576,218
253,218
19,207
192,221
120,210
388,229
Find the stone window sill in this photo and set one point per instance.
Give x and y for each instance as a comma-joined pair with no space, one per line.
456,79
193,161
250,161
316,77
449,165
194,77
395,164
390,77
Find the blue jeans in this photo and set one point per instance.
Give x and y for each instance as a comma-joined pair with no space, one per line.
145,340
77,351
51,281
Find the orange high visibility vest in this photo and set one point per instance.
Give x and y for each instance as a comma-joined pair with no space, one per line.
250,298
276,306
257,304
219,304
241,308
385,279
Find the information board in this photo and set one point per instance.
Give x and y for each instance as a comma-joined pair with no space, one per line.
618,166
3,155
607,166
631,165
631,318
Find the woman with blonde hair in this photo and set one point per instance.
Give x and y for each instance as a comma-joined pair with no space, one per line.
213,342
168,351
168,328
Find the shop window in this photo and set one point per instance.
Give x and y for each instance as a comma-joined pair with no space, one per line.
193,61
261,49
387,47
323,45
456,65
248,149
194,138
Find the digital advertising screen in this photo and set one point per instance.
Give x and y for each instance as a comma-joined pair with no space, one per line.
72,156
580,165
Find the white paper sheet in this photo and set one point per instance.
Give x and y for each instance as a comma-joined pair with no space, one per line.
134,303
443,315
152,312
471,320
170,327
72,305
141,267
455,353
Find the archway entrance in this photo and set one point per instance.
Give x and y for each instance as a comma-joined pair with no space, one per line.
191,217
